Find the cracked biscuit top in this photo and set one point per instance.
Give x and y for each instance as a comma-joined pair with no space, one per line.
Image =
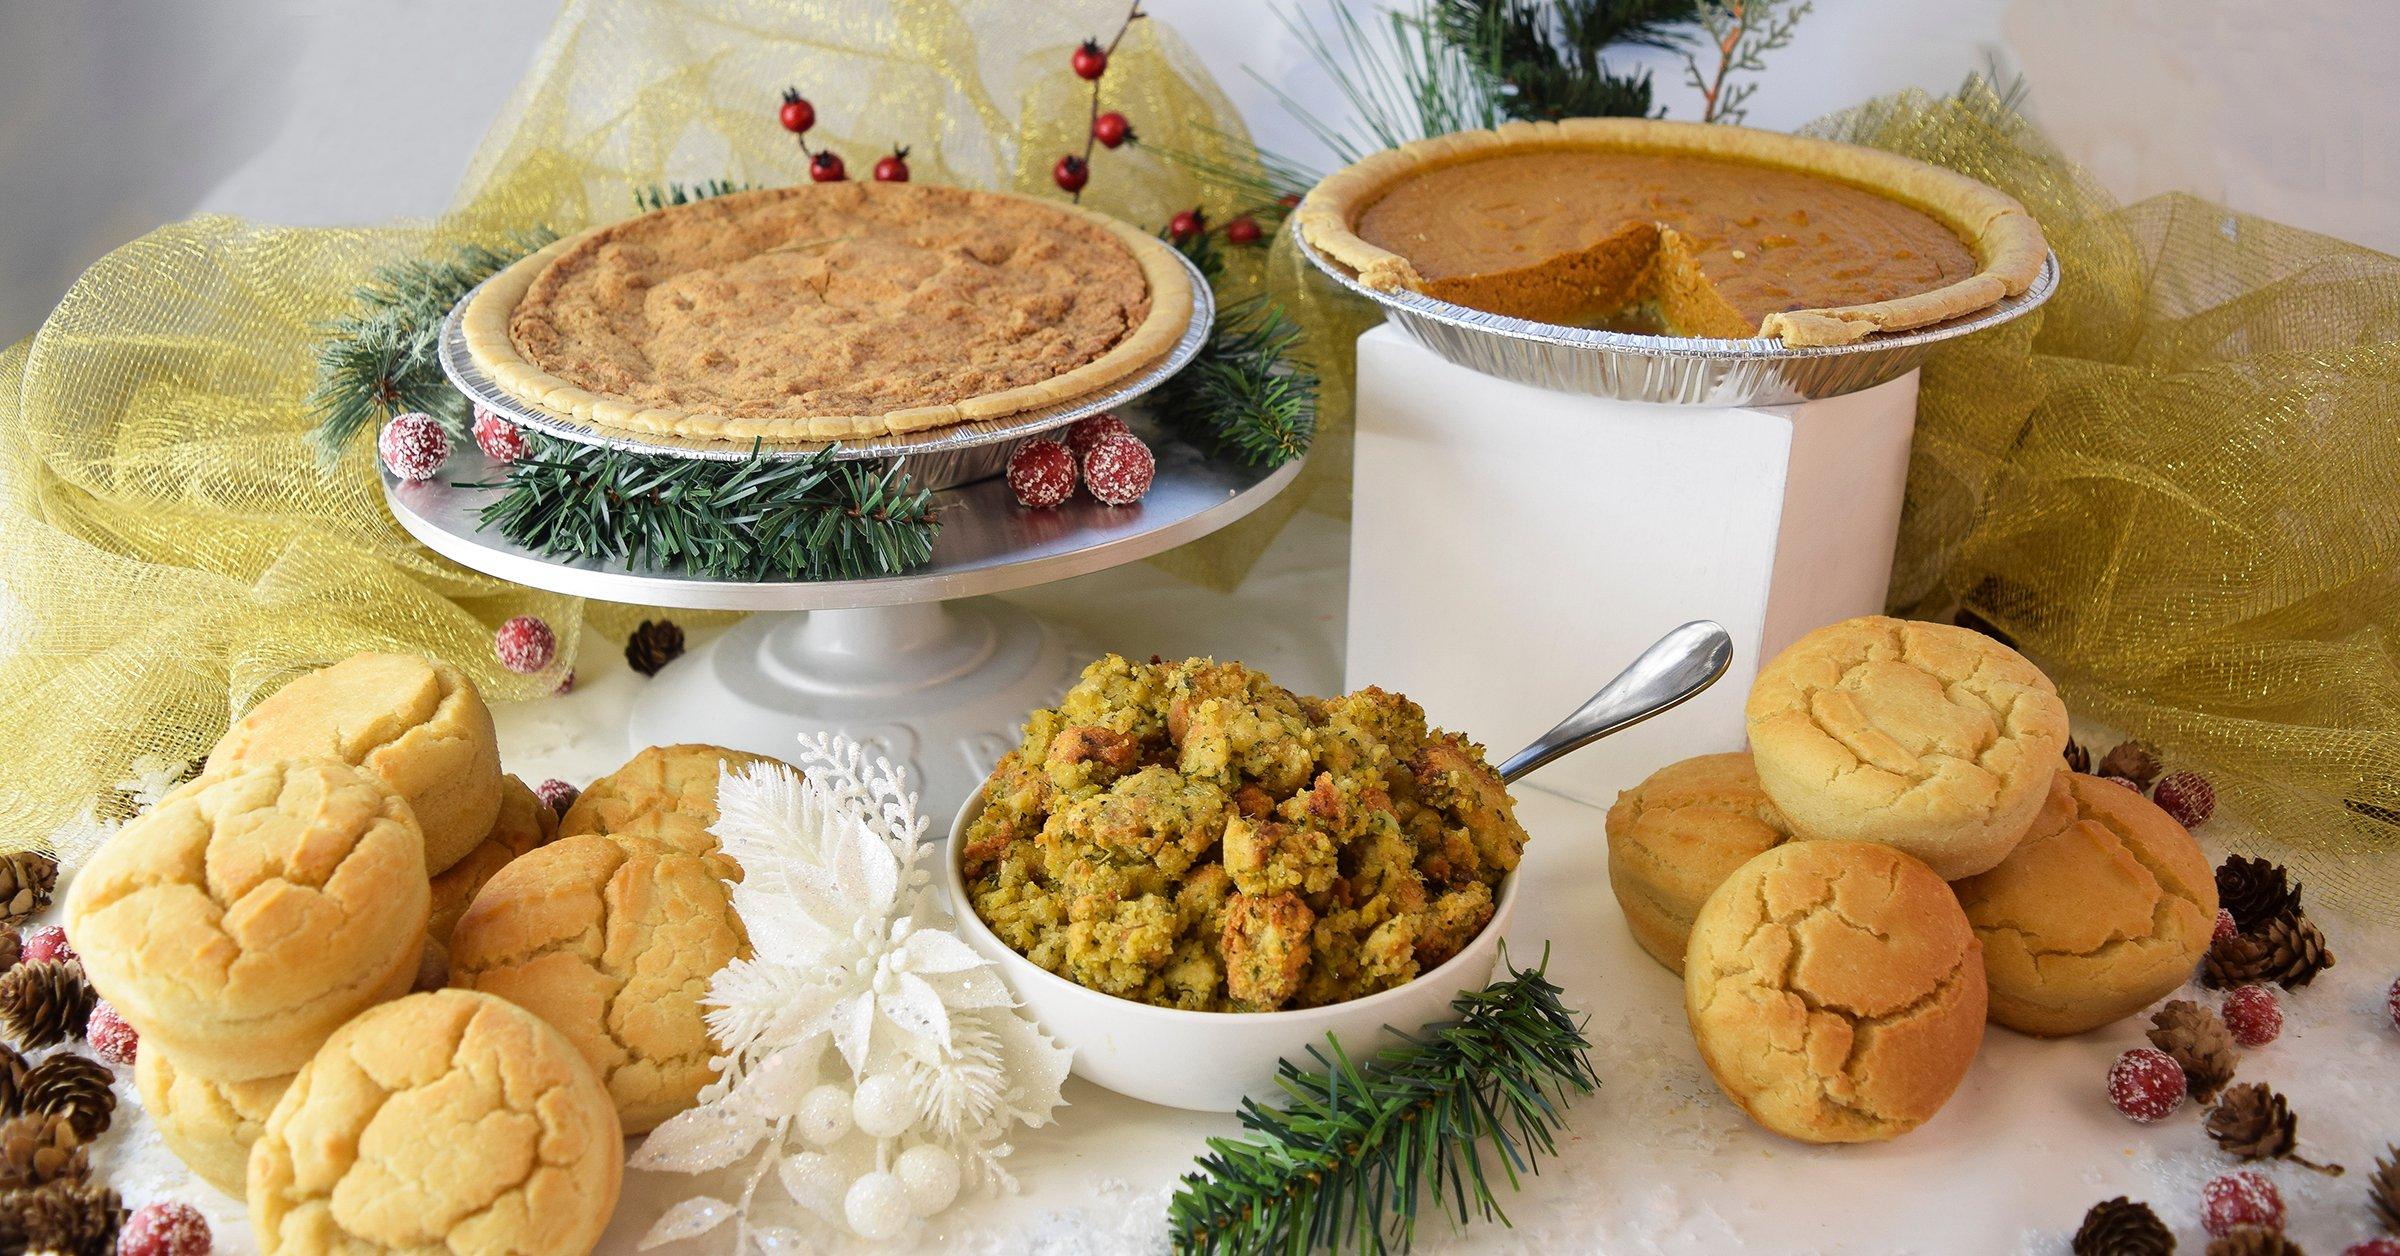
2099,912
1936,739
1196,836
441,1122
248,915
829,310
1835,990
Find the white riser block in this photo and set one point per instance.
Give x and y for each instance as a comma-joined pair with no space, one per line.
1513,547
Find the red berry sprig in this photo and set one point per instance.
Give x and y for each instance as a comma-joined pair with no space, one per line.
2231,1200
2146,1084
1187,225
524,644
1090,61
892,167
2252,1015
825,166
1242,230
798,115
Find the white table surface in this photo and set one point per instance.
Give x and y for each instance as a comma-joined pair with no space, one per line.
1657,1160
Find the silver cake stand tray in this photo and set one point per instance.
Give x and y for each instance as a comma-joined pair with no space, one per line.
1675,370
900,663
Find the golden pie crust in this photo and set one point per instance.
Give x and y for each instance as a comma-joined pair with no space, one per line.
829,312
1702,230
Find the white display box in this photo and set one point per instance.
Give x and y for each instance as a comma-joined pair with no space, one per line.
1512,547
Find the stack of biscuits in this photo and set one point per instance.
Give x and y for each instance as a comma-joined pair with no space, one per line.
1901,854
261,927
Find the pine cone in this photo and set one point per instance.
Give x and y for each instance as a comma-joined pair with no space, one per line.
12,948
72,1087
2252,1122
44,1003
2295,950
69,1218
2383,1189
2255,891
12,1082
2122,1227
2078,760
27,878
2240,960
38,1148
2196,1036
2253,1240
653,645
2133,760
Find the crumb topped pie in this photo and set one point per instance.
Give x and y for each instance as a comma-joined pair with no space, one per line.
1676,229
830,311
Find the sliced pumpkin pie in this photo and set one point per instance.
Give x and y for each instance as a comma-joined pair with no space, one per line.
1676,229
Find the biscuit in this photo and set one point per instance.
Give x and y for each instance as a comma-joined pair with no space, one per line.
612,940
1676,836
2102,910
442,1122
209,1125
248,915
1835,990
525,822
415,722
1935,739
666,793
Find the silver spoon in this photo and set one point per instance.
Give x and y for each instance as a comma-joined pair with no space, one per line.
1671,672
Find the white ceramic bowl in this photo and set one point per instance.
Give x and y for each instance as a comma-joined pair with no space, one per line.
1208,1061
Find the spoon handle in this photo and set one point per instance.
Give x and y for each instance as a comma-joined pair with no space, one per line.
1674,668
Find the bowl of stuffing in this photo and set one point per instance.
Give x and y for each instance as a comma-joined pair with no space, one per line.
1186,872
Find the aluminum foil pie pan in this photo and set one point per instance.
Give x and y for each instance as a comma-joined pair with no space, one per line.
943,457
1674,370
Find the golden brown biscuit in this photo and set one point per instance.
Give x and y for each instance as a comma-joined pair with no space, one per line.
612,940
1935,739
1835,990
2101,911
525,822
416,722
248,915
1676,836
442,1122
208,1125
666,793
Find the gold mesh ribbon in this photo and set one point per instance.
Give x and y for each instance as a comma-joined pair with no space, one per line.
169,548
2175,487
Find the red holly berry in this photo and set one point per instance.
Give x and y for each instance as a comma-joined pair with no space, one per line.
1091,60
2225,927
798,115
1085,433
498,438
2239,1199
557,794
112,1039
1242,230
166,1228
1289,200
2146,1084
826,167
1071,173
2253,1015
2187,796
1118,470
1186,224
892,167
525,644
2373,1247
45,942
1111,129
413,446
1041,474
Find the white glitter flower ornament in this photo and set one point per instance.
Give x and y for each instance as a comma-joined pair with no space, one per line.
874,1063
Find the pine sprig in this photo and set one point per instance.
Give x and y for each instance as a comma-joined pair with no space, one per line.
1243,393
381,358
757,518
1364,1148
663,195
1545,58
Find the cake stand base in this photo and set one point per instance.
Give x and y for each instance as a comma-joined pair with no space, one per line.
939,688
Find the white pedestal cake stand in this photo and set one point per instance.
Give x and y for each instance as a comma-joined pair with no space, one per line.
922,667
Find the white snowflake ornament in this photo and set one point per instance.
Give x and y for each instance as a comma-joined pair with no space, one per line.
874,1063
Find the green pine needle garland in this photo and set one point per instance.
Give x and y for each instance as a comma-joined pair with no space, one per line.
757,518
380,359
1543,57
1364,1148
662,195
1244,394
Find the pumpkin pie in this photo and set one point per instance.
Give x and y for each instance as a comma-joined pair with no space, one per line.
830,311
1634,224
